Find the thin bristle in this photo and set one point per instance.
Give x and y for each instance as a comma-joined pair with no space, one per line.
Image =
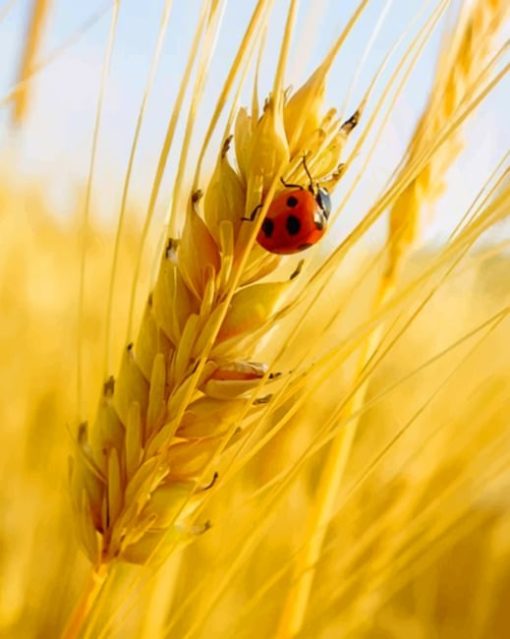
165,18
85,220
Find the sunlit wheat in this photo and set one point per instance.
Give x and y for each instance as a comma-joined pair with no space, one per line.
311,444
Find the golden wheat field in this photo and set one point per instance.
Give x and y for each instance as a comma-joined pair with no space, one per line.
255,288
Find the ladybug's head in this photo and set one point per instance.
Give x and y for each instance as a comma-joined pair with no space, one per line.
323,201
320,194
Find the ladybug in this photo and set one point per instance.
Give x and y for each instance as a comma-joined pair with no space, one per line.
296,219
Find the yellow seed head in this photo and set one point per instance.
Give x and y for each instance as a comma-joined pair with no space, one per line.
188,381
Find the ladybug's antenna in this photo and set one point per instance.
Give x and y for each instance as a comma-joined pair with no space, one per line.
307,171
287,185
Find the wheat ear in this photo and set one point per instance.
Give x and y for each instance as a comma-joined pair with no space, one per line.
188,385
460,67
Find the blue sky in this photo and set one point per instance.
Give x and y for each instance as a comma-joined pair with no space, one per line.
55,142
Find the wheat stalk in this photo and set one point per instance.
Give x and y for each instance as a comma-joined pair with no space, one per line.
188,385
459,69
35,32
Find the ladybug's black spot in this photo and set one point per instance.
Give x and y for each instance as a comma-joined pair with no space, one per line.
293,225
267,227
292,201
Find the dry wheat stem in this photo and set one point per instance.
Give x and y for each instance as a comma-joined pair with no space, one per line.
358,68
84,605
161,594
410,57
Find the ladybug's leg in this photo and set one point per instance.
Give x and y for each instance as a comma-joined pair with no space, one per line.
307,171
253,214
287,185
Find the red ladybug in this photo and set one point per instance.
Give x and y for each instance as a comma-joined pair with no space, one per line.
296,218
